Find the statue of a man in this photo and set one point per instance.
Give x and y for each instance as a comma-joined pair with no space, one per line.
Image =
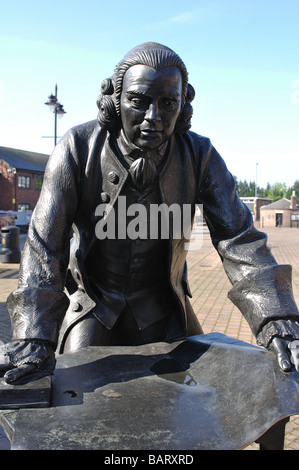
127,290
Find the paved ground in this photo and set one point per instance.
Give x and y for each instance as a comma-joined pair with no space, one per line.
209,286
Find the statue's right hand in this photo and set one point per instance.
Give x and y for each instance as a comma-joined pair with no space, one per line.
26,360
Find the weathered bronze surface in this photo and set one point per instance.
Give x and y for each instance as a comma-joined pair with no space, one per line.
207,392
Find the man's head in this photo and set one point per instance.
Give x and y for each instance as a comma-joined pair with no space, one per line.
150,104
161,102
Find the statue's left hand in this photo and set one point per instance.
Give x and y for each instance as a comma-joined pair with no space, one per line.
26,360
287,351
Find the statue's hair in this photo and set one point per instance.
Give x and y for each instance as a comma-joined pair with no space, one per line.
153,55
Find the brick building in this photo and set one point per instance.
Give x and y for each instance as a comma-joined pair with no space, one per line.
281,213
254,204
21,177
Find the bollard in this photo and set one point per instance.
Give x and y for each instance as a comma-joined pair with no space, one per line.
10,239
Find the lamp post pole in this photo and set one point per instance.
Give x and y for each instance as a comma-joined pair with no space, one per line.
55,118
57,109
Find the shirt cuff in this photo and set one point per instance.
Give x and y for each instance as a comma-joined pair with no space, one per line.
278,328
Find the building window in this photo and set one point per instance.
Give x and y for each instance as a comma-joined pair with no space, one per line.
24,182
24,206
38,182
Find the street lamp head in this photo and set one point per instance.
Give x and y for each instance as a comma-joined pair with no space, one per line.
59,110
52,102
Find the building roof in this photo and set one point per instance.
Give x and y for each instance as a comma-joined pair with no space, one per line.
281,204
24,160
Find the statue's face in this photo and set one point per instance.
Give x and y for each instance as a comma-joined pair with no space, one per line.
150,104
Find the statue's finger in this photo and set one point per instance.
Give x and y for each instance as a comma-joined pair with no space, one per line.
294,349
15,375
280,347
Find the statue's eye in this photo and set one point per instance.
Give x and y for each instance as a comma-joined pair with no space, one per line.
169,104
138,102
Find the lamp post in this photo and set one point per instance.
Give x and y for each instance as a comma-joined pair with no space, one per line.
13,172
256,179
57,109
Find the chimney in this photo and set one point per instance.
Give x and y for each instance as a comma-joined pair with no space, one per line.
293,201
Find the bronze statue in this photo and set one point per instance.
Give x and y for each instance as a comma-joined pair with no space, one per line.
123,290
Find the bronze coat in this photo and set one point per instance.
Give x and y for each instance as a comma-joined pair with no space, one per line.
79,177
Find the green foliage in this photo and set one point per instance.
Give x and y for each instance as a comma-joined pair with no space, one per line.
272,191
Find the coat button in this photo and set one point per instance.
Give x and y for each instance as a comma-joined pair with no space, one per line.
105,197
113,177
76,307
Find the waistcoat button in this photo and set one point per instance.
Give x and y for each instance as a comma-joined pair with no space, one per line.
76,307
105,197
113,177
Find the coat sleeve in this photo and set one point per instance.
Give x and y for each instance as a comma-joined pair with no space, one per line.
261,288
38,305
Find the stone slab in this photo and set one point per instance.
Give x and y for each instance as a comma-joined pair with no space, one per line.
209,392
35,394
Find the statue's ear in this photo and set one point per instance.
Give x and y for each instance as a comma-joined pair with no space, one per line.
184,120
190,95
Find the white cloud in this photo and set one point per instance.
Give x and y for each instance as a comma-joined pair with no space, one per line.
182,18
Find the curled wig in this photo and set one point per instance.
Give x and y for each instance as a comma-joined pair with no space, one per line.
153,55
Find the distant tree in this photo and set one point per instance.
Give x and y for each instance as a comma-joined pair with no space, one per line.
245,189
272,191
268,193
295,187
261,192
289,193
278,190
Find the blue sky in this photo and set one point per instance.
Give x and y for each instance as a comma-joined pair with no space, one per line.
242,58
